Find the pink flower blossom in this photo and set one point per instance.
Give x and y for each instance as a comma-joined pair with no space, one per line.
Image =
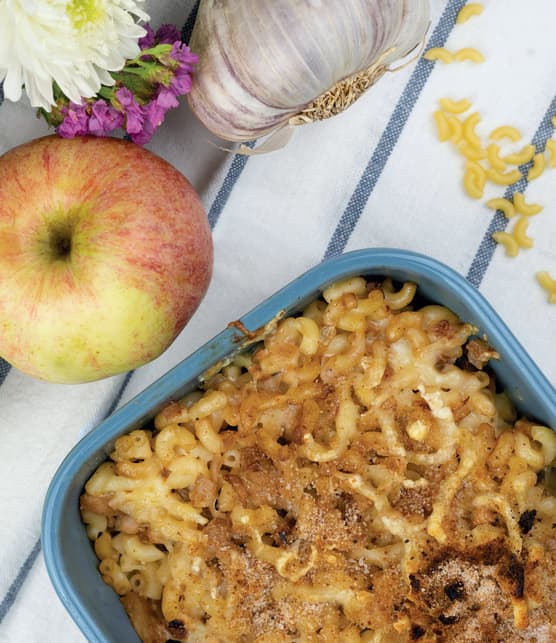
134,117
167,34
142,93
104,118
76,121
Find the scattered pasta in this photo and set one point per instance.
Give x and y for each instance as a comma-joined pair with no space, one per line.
528,209
442,126
469,54
506,131
467,12
493,155
471,152
520,233
503,205
508,241
469,133
538,167
501,178
551,149
360,480
455,106
439,53
456,128
474,179
549,284
522,157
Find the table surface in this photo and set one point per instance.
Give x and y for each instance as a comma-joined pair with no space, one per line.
374,176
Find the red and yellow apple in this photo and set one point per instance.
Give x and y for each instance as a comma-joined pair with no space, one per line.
105,253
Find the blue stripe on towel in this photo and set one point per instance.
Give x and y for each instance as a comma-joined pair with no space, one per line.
486,249
4,370
13,591
234,172
190,23
392,133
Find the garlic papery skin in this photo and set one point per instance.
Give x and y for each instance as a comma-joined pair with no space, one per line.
263,62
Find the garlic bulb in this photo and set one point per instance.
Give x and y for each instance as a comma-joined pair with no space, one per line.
264,64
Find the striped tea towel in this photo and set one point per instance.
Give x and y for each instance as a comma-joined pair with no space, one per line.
374,176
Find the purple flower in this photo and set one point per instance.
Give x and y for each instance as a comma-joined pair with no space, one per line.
181,83
104,118
133,113
147,41
155,112
186,59
167,34
76,121
166,98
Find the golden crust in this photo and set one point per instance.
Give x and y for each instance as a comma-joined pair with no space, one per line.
354,481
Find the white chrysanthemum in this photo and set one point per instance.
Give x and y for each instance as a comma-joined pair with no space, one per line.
73,42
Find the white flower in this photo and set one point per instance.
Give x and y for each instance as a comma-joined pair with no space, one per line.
72,42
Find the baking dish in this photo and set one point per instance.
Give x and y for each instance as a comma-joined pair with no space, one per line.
69,557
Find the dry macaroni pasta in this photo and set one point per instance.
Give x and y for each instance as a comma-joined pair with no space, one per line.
508,241
504,205
551,149
506,131
357,478
470,10
528,209
439,53
455,106
537,168
469,53
549,284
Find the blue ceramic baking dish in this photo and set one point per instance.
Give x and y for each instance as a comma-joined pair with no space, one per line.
69,557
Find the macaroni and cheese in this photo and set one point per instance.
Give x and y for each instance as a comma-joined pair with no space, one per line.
357,477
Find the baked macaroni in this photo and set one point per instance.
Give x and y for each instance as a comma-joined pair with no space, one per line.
358,477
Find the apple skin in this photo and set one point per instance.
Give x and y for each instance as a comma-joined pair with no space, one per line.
105,253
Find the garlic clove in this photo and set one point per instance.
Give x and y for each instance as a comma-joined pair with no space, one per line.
262,62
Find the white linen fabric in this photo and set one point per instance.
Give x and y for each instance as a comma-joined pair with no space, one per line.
375,176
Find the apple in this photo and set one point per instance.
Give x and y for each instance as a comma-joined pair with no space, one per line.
105,253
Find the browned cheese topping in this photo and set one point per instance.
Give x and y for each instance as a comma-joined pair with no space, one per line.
356,478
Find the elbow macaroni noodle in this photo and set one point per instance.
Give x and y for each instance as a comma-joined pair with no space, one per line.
463,136
338,484
470,10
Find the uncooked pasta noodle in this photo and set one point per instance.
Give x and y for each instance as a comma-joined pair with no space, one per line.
551,149
503,205
523,156
442,125
508,241
548,283
471,152
501,178
456,128
506,131
439,53
493,154
455,106
520,233
527,209
474,179
470,54
469,133
538,167
467,12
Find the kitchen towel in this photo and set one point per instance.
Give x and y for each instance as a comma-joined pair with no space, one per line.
374,176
